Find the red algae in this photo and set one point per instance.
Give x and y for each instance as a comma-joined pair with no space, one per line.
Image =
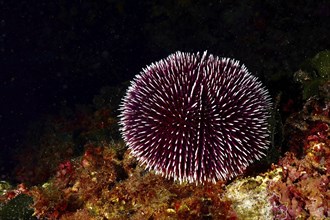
303,191
101,191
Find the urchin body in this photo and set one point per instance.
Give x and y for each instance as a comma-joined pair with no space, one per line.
196,118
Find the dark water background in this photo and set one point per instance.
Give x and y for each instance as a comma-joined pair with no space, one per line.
56,54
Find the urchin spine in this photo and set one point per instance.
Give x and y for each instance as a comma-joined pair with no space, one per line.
196,119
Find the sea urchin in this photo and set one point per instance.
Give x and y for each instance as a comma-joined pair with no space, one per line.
196,118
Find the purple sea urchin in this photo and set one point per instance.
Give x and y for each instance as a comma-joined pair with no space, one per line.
196,118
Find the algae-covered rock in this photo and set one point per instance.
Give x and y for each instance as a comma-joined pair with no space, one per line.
18,208
4,187
250,198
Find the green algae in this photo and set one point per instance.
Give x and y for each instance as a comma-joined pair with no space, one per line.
314,74
321,63
18,208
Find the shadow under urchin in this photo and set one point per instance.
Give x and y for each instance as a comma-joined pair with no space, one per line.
196,118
